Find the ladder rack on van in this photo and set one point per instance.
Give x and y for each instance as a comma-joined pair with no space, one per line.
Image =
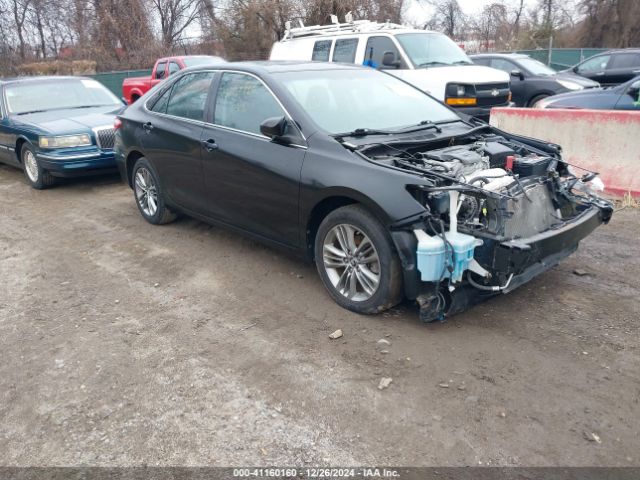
356,26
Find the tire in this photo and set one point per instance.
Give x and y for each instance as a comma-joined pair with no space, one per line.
536,99
149,195
340,268
37,176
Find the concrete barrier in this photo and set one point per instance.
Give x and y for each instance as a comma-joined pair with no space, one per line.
604,141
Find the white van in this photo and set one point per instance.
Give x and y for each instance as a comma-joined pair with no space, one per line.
429,60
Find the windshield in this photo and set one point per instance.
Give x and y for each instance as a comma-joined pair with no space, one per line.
536,67
432,50
193,61
342,101
46,95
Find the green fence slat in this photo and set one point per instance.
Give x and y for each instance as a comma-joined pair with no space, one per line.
113,80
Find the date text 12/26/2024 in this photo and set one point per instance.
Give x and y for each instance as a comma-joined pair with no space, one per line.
361,472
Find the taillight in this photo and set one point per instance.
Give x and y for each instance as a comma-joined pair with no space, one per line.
117,123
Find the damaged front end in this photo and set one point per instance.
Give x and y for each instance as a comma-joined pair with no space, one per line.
499,210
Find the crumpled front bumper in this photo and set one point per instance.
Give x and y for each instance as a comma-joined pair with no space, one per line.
512,263
528,257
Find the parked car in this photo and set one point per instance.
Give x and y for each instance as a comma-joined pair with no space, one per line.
610,68
133,88
57,127
622,97
429,60
531,80
392,193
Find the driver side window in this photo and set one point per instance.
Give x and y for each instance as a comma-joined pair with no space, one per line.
504,65
243,103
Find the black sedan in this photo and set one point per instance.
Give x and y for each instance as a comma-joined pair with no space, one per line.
622,97
57,127
389,191
531,80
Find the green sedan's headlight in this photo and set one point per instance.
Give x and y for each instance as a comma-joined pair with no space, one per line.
66,141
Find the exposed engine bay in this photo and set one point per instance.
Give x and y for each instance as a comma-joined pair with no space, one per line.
498,211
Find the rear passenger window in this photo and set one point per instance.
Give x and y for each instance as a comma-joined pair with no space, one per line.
243,103
173,68
345,50
189,95
321,51
160,104
625,60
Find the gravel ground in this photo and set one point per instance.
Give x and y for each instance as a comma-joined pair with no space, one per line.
127,344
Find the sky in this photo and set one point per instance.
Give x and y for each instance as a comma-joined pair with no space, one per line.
419,12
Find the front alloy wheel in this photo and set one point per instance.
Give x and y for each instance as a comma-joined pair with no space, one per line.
351,262
357,262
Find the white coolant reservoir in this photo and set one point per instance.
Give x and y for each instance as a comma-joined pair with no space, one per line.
436,259
492,179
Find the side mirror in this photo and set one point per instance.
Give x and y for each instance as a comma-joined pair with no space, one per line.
635,87
390,59
274,127
517,73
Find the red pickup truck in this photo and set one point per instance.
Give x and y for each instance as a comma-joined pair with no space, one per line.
133,88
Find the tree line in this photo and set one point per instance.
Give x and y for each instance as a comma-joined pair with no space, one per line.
122,34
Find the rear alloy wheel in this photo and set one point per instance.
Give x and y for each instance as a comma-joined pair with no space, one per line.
356,261
148,194
38,177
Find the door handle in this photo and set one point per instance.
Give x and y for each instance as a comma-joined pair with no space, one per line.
599,74
147,127
209,145
636,71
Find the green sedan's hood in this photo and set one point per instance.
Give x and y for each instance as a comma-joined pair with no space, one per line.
68,121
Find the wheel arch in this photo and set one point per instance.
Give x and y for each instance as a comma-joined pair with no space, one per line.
132,157
19,144
332,200
538,95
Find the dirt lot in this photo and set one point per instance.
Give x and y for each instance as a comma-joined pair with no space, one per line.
123,343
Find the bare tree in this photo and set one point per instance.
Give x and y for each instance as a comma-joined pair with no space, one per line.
490,25
610,23
19,10
448,17
175,16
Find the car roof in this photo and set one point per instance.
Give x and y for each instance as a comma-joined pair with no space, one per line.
277,66
623,50
513,56
39,78
171,57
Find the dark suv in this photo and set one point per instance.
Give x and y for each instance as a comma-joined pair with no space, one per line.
610,68
531,80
